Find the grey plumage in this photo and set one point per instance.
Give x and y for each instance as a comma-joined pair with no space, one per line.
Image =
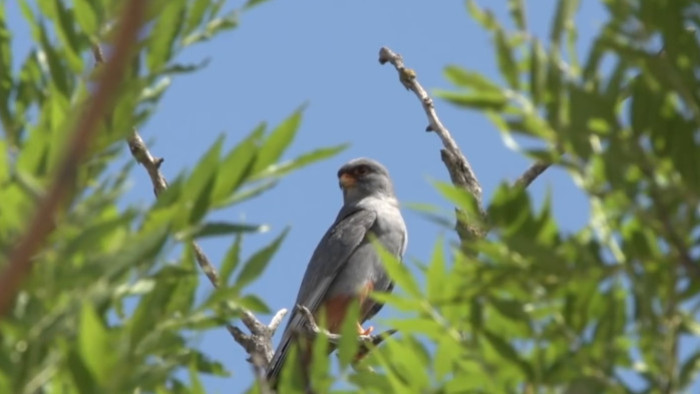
344,259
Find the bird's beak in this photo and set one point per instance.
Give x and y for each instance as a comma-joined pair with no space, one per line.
346,180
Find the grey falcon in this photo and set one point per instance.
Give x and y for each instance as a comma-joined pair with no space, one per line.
345,265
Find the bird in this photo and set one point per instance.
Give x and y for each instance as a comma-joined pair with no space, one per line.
345,265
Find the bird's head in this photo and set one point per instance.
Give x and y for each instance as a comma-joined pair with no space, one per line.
364,177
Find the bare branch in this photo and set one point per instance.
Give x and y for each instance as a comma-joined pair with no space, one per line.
458,166
42,224
366,342
461,172
531,174
258,344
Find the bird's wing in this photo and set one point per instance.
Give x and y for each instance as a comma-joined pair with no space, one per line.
331,254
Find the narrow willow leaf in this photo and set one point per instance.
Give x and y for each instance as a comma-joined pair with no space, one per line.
462,199
163,35
436,273
517,12
277,142
469,79
484,18
5,71
397,271
205,172
256,264
348,341
96,347
86,16
231,259
69,38
195,15
237,165
562,19
303,160
509,354
215,229
538,72
196,385
482,100
203,201
506,60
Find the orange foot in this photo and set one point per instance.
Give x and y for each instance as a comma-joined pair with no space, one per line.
362,331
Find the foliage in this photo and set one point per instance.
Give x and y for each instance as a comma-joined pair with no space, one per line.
529,308
110,305
532,308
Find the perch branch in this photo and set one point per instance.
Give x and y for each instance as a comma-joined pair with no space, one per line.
366,342
20,260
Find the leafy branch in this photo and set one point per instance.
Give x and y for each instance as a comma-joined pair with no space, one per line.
57,196
461,172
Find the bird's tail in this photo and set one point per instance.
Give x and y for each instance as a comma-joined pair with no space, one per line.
275,366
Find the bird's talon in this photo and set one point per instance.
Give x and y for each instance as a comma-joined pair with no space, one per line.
364,332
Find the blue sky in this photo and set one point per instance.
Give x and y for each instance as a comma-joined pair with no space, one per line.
285,54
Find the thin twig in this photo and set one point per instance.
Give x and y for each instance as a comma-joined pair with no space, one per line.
457,164
461,172
531,174
365,341
40,227
258,344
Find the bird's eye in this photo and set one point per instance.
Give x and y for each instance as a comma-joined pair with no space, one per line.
362,170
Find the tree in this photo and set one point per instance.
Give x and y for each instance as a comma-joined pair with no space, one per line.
516,305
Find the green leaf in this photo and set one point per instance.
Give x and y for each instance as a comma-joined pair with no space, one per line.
68,36
256,264
563,16
196,386
462,199
396,270
195,15
83,378
301,161
215,229
86,17
237,165
231,259
517,12
506,61
538,74
348,341
96,346
470,79
164,33
202,203
253,3
277,142
483,100
251,192
200,184
397,301
446,356
484,18
689,369
436,275
508,353
253,303
5,72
